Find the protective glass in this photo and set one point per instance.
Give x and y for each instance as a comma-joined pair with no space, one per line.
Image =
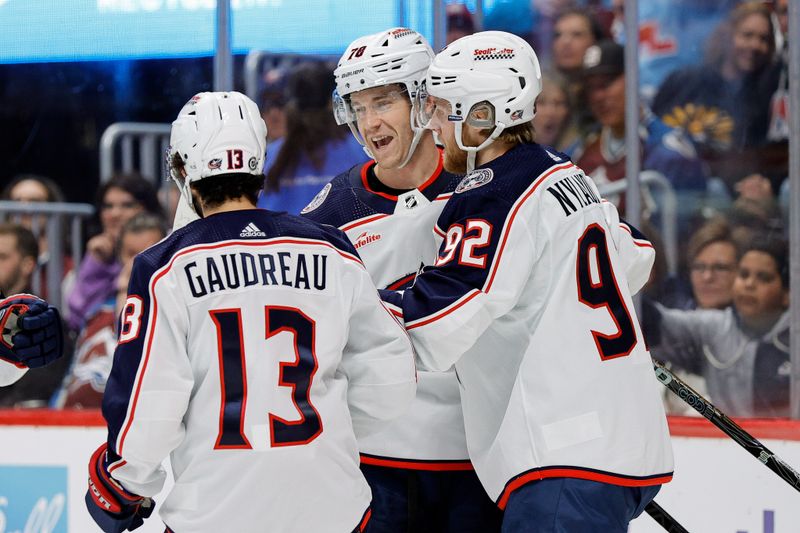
341,110
429,111
379,105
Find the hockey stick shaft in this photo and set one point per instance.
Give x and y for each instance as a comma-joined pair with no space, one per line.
728,426
664,519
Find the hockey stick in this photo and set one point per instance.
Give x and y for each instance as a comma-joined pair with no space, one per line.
664,519
728,426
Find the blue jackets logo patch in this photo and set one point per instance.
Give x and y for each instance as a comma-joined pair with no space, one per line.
318,199
475,179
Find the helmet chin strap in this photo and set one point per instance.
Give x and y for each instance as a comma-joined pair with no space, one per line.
472,151
414,142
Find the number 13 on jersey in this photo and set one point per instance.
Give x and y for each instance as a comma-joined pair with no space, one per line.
296,376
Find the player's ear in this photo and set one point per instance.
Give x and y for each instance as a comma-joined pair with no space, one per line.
28,266
197,201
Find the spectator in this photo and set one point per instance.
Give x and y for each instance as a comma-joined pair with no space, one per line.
314,149
118,200
712,262
743,350
722,105
553,113
18,253
672,35
603,154
273,104
94,349
32,188
574,31
459,23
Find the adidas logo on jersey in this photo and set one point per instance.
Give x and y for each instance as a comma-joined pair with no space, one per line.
366,238
251,230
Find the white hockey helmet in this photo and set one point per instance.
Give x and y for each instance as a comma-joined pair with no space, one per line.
395,56
216,133
490,67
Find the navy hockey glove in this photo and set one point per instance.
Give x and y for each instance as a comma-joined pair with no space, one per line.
32,335
112,507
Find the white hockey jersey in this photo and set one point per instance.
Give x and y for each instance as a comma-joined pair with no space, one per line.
531,300
253,348
10,373
394,237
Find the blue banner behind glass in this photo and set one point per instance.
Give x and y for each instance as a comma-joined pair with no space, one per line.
33,498
77,30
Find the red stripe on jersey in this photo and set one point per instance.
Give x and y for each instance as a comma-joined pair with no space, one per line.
362,526
400,282
638,242
365,182
417,464
360,222
496,261
154,311
578,473
506,229
432,178
436,173
446,311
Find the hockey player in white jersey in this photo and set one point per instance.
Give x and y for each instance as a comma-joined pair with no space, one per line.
253,349
530,299
32,336
417,466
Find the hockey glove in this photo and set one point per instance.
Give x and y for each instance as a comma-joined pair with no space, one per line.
32,335
112,507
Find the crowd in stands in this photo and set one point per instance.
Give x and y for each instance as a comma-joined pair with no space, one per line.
713,121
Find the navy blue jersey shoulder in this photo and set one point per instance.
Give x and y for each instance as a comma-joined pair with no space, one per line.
348,199
495,186
251,224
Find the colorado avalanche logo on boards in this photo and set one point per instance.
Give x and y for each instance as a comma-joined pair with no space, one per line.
318,199
475,179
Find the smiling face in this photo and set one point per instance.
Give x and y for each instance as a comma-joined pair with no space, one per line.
758,292
383,117
751,43
712,274
118,207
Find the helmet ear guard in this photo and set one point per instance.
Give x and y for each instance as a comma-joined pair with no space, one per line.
481,115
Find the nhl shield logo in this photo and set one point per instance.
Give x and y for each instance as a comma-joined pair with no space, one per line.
318,199
475,179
